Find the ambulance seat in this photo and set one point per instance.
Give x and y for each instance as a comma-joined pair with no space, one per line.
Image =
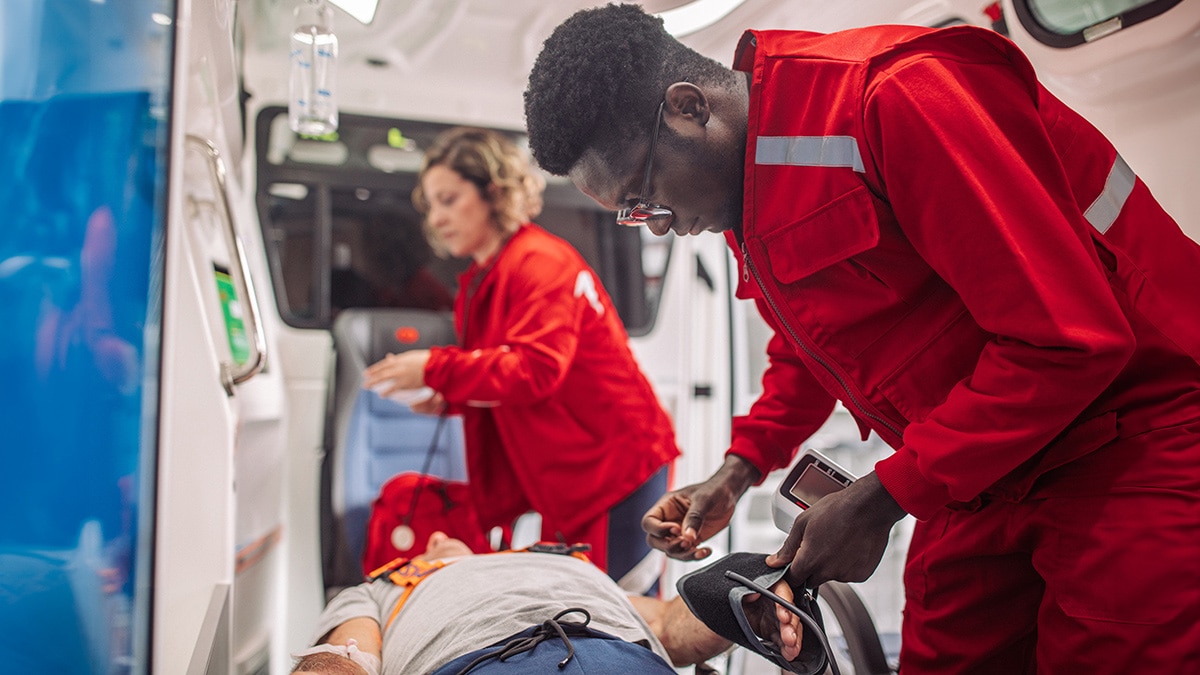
369,439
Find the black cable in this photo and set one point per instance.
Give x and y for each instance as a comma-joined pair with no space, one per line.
437,431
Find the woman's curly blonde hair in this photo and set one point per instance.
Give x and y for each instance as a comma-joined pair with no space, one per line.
496,166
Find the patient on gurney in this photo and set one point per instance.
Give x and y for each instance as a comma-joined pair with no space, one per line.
449,611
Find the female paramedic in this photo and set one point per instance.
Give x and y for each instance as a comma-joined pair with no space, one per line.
558,416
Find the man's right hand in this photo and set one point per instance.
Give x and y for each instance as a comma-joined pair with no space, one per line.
684,518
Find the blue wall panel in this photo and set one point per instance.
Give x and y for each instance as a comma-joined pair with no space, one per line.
82,193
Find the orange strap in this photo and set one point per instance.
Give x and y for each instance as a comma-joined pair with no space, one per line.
407,573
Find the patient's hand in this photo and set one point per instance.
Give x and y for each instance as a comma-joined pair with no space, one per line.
772,622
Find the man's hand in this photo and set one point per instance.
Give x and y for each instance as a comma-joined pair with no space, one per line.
684,518
840,538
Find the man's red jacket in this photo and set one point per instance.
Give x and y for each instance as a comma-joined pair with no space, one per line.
558,416
959,258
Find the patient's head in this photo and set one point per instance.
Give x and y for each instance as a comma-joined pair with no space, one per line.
442,545
327,664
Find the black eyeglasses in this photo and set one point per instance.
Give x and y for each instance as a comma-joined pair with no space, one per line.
643,211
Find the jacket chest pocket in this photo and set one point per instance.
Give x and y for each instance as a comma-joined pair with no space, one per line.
819,268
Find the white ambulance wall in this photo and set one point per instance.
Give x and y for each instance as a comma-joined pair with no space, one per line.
305,358
195,503
221,482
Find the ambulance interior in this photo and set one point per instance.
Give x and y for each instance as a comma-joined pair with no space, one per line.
285,262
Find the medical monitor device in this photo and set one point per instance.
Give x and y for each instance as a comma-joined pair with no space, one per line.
813,476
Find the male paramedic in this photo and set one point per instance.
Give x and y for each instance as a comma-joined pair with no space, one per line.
449,611
973,271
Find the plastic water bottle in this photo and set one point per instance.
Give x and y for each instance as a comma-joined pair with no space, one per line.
312,109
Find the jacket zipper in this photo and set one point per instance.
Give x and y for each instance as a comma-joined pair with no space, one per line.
748,268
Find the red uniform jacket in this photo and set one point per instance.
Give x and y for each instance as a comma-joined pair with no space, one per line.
558,416
958,257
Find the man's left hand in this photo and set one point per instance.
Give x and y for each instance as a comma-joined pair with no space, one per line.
840,538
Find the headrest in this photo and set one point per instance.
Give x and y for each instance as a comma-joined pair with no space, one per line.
366,335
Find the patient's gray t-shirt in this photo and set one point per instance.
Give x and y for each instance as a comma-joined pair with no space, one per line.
482,599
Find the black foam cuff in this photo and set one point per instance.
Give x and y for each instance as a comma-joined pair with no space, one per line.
717,601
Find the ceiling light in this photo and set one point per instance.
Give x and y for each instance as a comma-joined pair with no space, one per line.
696,15
362,10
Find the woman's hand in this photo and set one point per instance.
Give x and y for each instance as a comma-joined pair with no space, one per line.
397,372
434,405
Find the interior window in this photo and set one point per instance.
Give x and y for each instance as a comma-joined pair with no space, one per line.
341,231
1066,23
376,256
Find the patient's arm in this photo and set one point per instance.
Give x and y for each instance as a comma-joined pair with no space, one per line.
685,638
352,615
363,631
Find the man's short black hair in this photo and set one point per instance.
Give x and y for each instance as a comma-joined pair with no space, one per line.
598,81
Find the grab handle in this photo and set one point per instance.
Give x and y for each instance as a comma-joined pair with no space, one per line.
233,374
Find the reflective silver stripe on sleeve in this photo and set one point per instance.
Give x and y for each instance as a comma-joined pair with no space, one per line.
809,151
1104,211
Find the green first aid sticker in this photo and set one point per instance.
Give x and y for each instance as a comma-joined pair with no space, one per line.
235,327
